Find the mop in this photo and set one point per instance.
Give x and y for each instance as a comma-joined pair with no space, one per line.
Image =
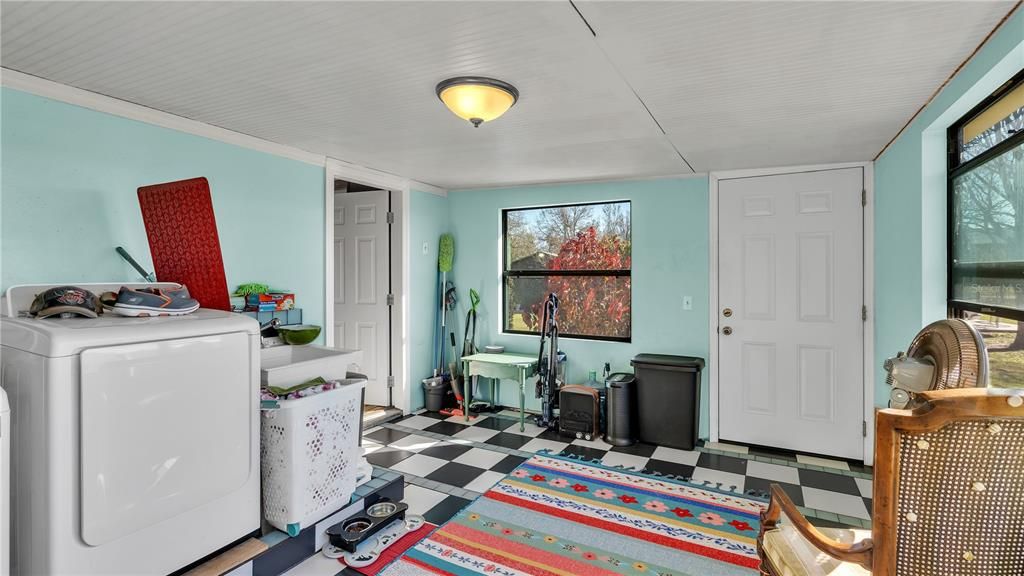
469,348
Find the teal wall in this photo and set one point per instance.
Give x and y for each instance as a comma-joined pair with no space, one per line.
428,220
910,201
670,260
69,180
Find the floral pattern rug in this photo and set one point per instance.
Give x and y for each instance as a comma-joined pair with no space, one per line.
557,515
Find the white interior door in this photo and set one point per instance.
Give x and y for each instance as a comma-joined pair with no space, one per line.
790,294
361,284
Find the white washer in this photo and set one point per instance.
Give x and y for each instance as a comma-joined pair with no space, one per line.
5,485
135,440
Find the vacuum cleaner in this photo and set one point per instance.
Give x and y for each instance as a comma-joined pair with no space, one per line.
547,387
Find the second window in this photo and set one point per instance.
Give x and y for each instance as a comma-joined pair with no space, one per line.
580,252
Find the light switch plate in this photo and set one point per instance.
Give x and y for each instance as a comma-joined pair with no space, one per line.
687,303
426,248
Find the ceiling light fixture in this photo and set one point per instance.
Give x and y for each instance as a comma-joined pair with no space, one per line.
476,98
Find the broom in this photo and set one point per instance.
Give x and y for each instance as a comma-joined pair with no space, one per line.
445,260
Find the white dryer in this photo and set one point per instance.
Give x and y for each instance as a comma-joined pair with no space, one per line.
135,440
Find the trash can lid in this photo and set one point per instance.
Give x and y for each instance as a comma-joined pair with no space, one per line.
432,383
685,363
617,379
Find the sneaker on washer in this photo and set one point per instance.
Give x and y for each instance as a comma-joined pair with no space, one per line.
154,302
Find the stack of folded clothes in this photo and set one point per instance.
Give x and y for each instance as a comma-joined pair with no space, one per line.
271,395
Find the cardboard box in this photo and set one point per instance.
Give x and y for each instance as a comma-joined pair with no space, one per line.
270,302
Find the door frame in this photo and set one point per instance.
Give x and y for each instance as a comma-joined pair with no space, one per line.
400,314
868,288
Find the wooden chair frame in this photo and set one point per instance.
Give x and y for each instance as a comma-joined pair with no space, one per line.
878,553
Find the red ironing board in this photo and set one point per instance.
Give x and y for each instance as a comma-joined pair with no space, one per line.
183,239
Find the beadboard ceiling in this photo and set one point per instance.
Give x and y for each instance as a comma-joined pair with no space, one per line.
663,88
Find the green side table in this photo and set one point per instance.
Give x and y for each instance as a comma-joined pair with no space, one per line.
499,367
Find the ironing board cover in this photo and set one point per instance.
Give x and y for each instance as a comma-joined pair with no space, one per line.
183,240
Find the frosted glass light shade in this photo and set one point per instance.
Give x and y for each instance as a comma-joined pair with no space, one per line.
477,99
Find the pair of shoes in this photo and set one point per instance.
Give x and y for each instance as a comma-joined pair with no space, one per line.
151,302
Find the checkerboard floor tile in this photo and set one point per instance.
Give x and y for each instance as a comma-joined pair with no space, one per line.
422,500
475,433
446,461
419,465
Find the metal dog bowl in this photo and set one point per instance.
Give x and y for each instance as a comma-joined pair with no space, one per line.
382,509
358,525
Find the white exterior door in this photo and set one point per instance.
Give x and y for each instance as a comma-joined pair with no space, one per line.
361,284
790,294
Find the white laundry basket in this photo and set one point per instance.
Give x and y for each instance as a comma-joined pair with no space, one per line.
310,454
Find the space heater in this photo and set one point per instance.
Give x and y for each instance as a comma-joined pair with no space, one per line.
580,412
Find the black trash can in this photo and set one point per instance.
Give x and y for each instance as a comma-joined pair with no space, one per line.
621,409
434,390
668,399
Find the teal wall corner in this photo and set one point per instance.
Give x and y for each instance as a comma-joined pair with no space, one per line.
428,219
670,260
910,201
69,181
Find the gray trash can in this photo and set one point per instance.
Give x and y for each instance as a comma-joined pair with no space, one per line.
434,390
668,399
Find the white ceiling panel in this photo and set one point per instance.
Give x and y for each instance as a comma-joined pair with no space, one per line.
733,84
355,80
753,84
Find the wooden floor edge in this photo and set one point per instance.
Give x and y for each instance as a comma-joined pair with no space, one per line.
230,559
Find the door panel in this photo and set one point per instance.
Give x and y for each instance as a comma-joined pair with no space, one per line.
817,383
366,270
791,269
361,315
759,277
339,271
815,273
166,427
759,381
366,339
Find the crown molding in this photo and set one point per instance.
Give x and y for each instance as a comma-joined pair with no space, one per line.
572,182
110,105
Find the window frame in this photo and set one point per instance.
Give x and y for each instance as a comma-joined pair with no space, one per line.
506,273
956,168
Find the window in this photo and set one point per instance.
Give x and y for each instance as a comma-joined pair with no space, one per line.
986,227
582,253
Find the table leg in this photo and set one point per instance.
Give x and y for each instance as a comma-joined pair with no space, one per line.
522,399
467,389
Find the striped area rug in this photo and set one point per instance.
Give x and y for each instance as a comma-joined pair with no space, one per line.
556,515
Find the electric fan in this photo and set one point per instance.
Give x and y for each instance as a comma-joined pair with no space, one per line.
945,354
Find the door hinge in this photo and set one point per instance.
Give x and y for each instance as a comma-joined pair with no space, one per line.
863,197
864,428
391,381
391,217
391,299
864,313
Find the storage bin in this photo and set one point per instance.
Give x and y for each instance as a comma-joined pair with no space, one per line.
310,454
668,399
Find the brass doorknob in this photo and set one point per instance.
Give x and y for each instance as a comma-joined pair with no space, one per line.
727,330
727,312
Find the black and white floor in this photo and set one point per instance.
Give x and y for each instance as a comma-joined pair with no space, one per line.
447,463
